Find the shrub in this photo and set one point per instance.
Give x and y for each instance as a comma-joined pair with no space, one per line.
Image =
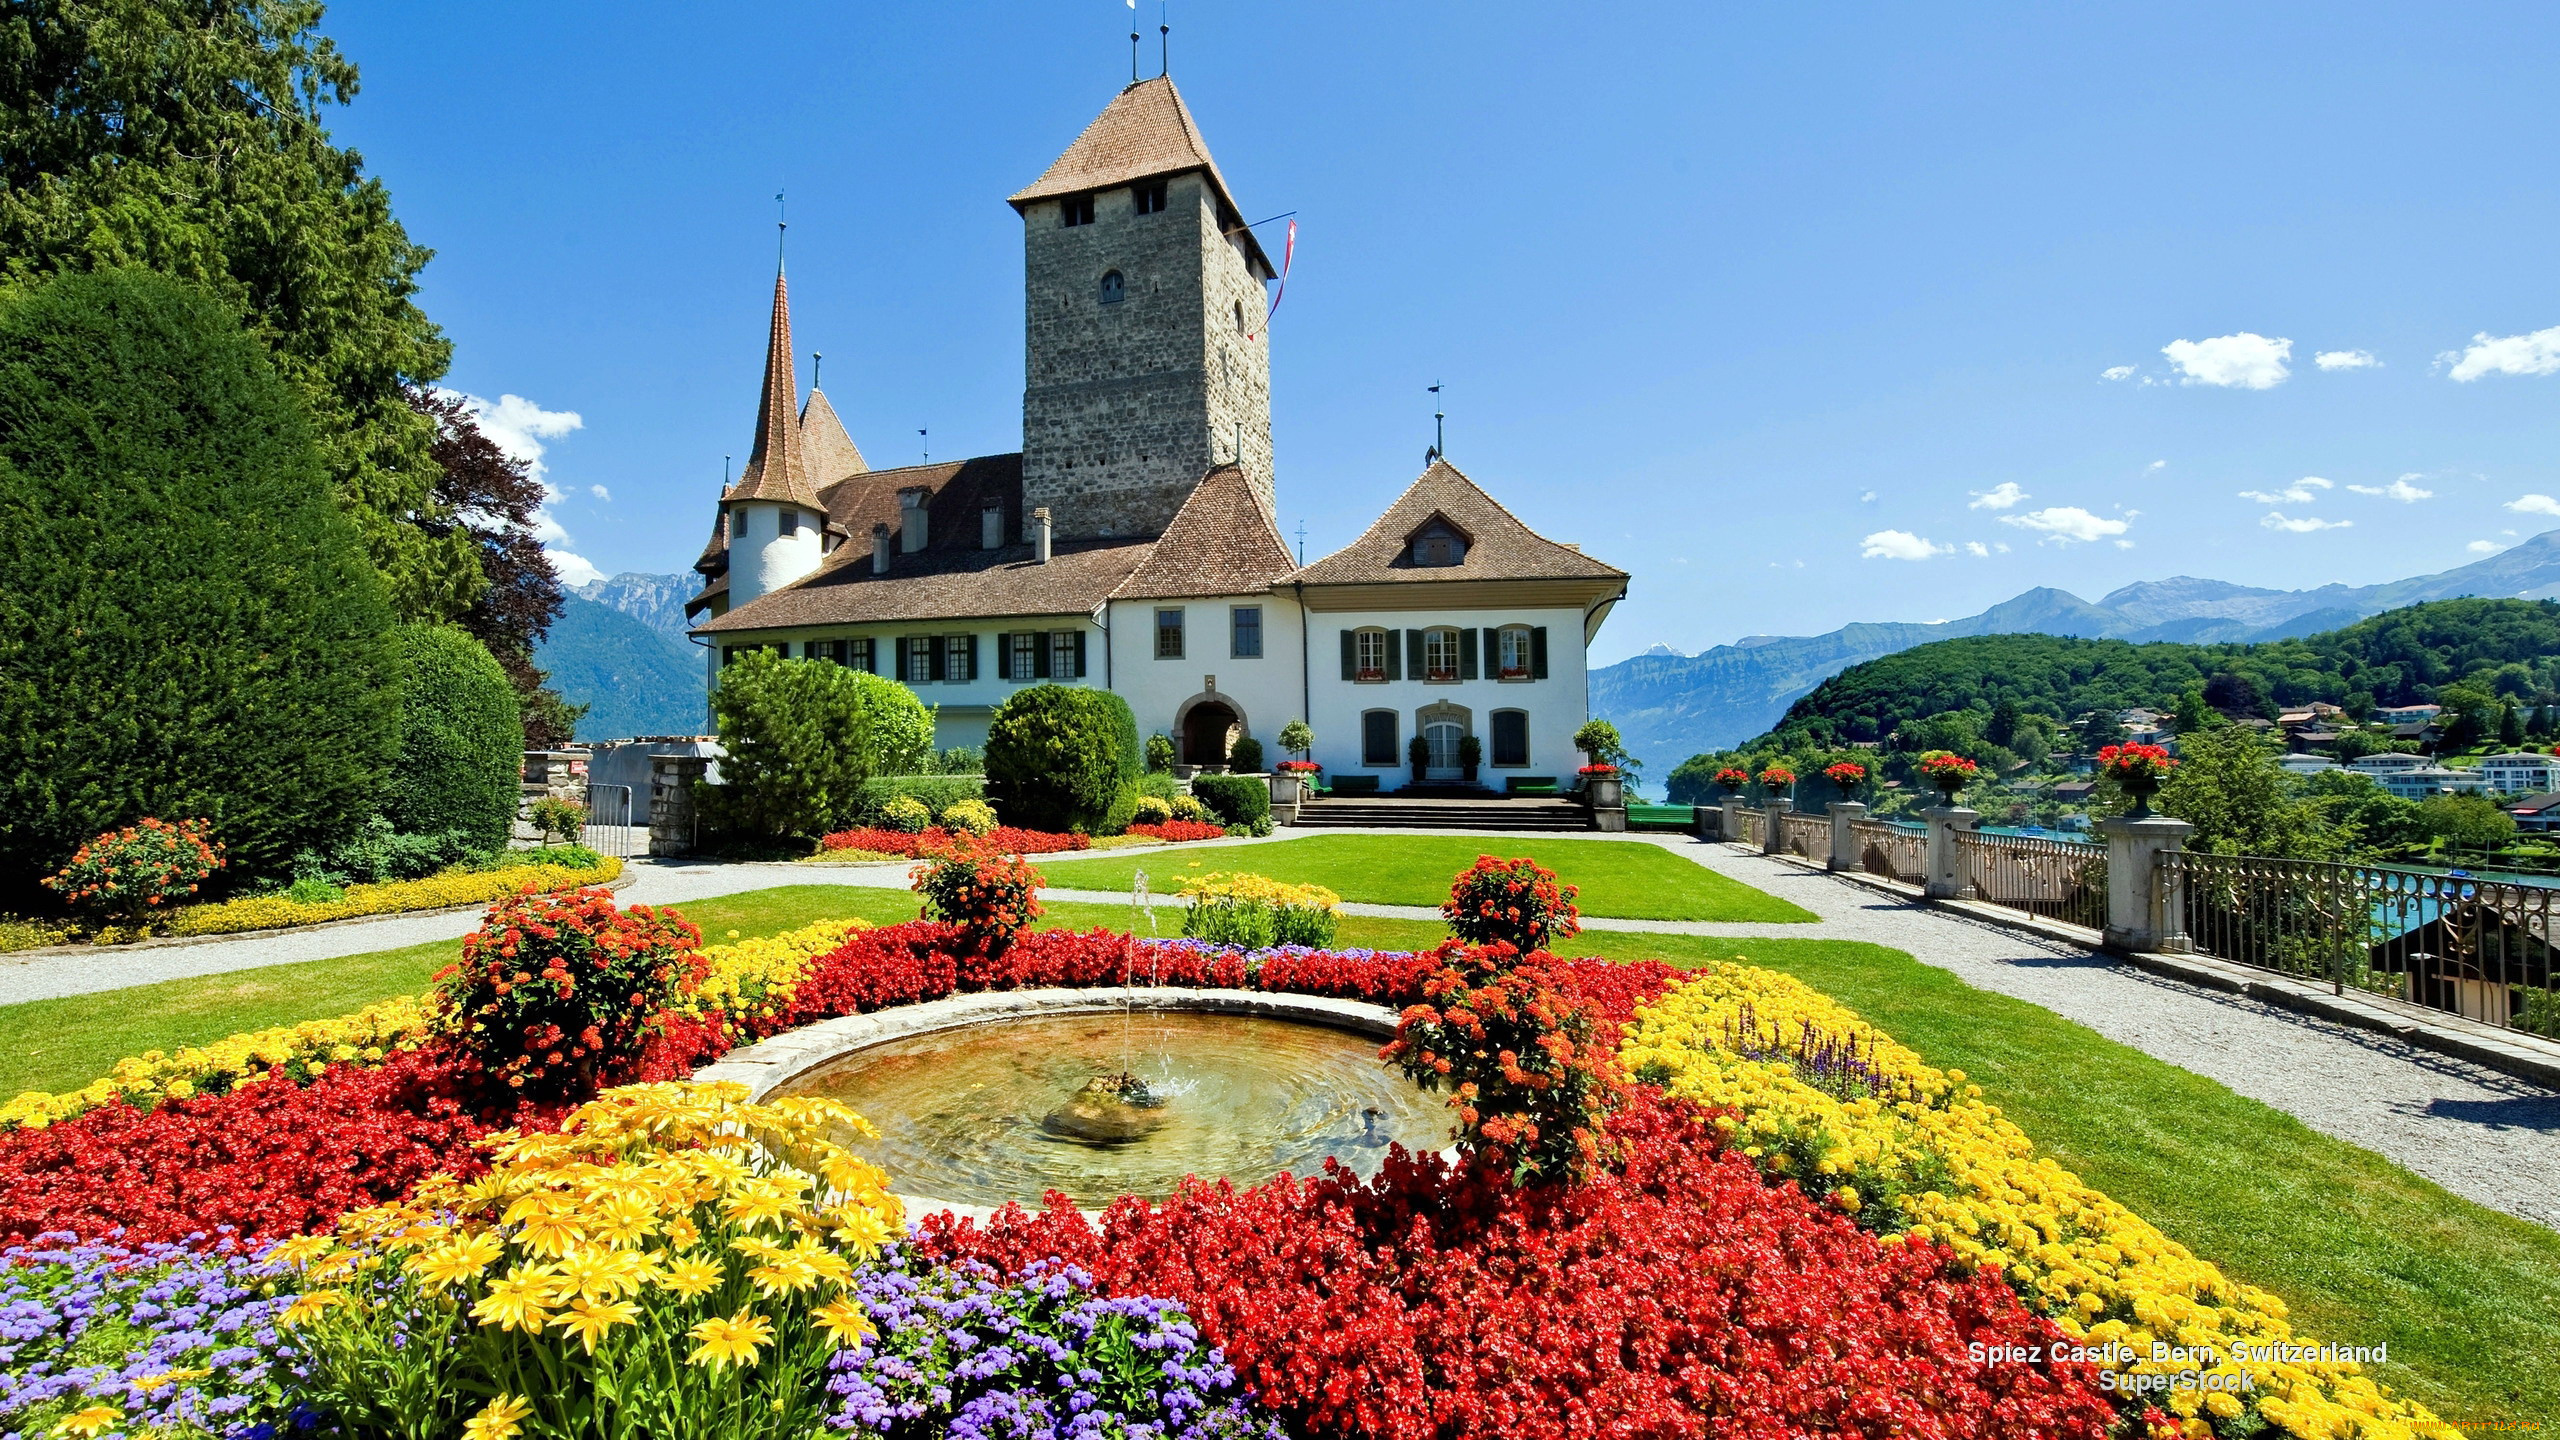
453,887
1149,811
1527,1058
1254,912
800,738
1245,756
958,760
553,816
553,990
190,622
376,854
1511,902
1159,753
1064,757
1236,799
1162,786
129,872
975,818
937,793
905,813
1188,809
990,897
461,765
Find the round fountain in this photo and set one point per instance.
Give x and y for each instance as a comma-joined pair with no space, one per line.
984,1099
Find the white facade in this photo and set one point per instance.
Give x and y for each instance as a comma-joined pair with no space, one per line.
2380,765
2518,774
1549,708
2406,714
2307,764
972,679
2420,784
1242,653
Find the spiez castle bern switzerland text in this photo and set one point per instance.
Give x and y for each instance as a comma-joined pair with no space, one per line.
1132,542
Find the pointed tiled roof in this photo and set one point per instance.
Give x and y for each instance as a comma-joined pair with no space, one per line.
1222,542
826,448
1499,547
1145,131
777,470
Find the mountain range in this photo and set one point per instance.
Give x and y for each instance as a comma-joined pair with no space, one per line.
619,648
1668,706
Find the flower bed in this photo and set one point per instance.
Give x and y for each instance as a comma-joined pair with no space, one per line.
436,892
1002,840
1180,830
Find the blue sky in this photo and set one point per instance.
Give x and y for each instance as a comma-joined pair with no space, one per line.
1751,302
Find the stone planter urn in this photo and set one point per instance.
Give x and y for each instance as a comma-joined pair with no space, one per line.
1607,792
1288,787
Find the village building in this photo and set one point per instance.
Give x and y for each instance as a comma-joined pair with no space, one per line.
1132,543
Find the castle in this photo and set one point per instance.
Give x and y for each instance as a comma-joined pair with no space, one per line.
1132,542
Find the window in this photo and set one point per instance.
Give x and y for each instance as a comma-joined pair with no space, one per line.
1438,545
1239,317
861,655
1169,634
1511,737
1075,210
1066,654
790,522
1114,288
959,658
738,524
1440,655
1378,738
918,651
1244,632
1147,199
1371,649
1512,657
1022,655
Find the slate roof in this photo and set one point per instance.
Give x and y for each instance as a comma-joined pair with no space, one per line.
1222,542
1145,132
1499,546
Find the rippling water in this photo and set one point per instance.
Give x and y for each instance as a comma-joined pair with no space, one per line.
959,1112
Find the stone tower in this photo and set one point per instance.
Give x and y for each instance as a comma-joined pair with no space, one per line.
1147,359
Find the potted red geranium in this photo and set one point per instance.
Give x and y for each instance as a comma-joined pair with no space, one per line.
1849,775
1605,785
1948,771
1777,780
2138,771
1733,777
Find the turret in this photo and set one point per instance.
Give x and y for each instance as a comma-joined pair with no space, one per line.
777,526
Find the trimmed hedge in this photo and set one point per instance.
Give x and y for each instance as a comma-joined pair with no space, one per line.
937,793
461,741
1064,757
1235,799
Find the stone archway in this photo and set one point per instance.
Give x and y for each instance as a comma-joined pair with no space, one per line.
1441,725
1206,726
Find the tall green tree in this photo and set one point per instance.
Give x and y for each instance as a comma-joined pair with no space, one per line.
188,625
185,136
2229,785
461,741
798,739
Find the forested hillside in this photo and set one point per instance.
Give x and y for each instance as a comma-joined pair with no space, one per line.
2505,648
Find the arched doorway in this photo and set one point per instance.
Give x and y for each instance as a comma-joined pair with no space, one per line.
1207,729
1441,726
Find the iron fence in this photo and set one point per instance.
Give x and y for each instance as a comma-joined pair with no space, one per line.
1890,850
2476,948
2056,879
609,825
1755,829
1806,835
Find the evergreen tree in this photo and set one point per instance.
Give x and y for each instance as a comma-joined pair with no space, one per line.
188,624
186,138
461,741
2510,726
2229,785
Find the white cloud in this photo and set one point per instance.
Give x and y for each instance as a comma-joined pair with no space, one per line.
599,492
2534,354
2124,544
2246,361
1867,499
2484,547
2062,524
2116,372
2534,505
2400,490
2155,465
2297,493
1899,545
573,569
2345,360
1998,497
519,426
2303,526
1976,548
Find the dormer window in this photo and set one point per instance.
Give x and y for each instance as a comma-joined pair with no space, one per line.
1075,210
1438,545
1114,288
1147,199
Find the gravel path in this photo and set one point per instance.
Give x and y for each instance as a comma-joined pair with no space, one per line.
2476,1132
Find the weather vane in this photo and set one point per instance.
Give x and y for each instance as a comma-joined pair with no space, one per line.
1439,431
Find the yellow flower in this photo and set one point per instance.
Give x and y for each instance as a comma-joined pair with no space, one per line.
756,1203
553,1235
309,1306
843,1321
500,1419
784,1276
145,1384
301,1250
88,1420
692,1275
518,1301
863,1230
733,1341
456,1262
587,1320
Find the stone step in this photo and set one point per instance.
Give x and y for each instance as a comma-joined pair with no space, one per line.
1391,814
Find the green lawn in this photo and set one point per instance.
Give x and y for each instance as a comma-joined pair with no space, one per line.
1619,879
2362,1251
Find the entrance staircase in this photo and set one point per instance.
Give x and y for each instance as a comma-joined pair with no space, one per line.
1441,808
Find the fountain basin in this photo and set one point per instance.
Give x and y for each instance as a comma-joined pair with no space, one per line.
969,1091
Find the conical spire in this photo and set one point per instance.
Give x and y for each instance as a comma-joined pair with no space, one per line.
827,451
777,471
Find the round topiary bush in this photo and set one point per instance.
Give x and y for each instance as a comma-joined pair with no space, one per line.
1245,756
800,737
190,623
1064,758
461,741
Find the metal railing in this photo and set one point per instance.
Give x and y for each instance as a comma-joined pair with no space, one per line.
2476,948
1755,829
2056,879
1806,835
609,827
1890,850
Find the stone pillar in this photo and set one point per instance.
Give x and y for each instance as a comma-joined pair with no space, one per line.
1774,810
1943,877
671,782
1844,841
2142,913
1286,791
1731,811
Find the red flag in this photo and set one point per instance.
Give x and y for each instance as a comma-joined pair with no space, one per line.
1288,256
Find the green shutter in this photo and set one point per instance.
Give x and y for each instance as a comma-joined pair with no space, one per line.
898,658
1492,652
1079,654
1538,652
1467,654
1413,662
1395,659
973,656
1350,656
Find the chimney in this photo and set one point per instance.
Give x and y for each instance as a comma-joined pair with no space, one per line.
1040,536
880,547
911,517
